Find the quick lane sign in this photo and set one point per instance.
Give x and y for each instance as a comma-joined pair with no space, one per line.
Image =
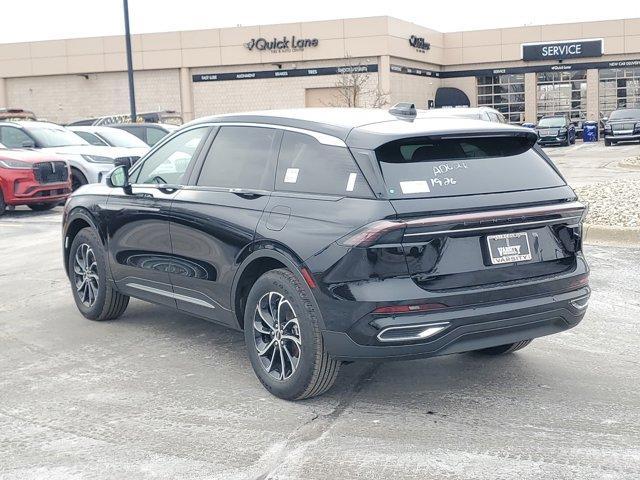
562,50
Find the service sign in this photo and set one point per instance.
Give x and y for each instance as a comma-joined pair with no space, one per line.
562,50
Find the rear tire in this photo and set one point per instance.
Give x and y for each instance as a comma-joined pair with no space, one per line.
607,143
93,293
504,349
77,179
42,207
283,338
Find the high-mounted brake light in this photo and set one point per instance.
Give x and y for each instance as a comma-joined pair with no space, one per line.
394,309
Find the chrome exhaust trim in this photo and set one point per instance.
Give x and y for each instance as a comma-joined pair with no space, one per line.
407,333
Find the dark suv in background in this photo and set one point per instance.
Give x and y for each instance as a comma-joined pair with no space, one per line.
333,235
556,130
622,126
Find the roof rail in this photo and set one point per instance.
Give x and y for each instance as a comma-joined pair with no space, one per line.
404,109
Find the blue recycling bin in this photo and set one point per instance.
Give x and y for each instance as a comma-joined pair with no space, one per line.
590,131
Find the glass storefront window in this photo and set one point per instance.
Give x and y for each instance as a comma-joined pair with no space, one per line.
505,93
619,88
563,93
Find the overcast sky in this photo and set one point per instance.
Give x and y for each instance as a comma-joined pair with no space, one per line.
27,20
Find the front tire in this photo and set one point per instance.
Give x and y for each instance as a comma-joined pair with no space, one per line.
43,207
283,338
93,293
504,349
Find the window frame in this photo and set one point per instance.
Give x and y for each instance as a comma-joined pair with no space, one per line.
197,170
192,163
333,196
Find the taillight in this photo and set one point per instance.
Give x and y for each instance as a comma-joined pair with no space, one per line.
371,233
395,309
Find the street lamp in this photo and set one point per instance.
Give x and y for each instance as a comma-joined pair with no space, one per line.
127,36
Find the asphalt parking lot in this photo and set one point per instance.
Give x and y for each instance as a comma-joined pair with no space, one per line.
587,163
161,395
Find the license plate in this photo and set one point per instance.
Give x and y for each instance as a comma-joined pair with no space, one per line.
509,248
546,133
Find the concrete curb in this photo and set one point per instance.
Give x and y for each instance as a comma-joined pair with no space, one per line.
630,166
607,235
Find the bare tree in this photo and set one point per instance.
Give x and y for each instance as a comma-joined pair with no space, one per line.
354,88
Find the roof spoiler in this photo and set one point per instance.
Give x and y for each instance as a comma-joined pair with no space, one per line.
404,109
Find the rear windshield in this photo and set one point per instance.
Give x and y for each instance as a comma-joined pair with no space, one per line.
468,166
626,114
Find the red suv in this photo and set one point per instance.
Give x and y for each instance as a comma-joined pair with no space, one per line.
39,180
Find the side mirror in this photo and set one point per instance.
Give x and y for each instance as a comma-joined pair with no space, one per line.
119,178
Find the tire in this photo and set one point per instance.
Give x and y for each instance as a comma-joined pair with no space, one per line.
77,179
568,142
607,143
504,349
3,206
42,207
105,303
308,370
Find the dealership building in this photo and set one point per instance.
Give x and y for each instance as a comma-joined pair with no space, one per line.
582,69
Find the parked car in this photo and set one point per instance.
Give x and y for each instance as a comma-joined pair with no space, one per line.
333,235
39,180
149,133
158,116
477,113
88,163
623,125
556,130
9,114
112,137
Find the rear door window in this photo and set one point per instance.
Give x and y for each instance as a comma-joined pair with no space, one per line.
307,166
241,157
467,166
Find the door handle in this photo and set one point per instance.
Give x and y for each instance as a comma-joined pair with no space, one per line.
248,194
164,188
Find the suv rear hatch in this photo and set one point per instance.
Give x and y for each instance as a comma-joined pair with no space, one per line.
479,209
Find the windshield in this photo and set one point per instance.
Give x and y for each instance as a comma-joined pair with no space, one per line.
626,114
552,122
120,138
468,166
49,137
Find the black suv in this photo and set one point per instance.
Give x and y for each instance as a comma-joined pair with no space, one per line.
333,235
622,126
556,130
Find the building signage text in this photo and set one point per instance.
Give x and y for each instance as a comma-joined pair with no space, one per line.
562,50
419,43
280,45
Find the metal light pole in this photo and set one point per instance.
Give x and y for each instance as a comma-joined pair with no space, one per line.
127,36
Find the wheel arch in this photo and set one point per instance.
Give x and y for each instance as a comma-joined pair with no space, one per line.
78,219
264,258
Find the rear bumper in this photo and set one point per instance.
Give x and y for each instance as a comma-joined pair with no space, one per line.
470,328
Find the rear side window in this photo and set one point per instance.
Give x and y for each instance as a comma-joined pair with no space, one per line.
154,135
307,166
241,157
467,166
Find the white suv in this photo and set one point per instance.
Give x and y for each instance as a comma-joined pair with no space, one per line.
89,163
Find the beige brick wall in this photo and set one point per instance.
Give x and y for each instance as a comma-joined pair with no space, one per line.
210,98
64,98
